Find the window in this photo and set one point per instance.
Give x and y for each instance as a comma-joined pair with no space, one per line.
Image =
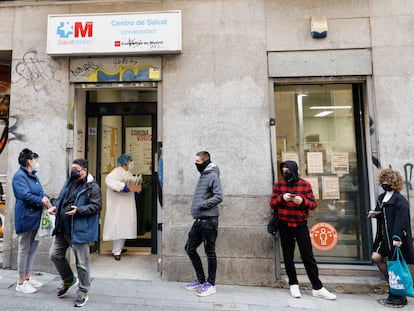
319,127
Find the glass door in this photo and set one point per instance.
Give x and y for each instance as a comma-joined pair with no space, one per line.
114,129
320,127
130,134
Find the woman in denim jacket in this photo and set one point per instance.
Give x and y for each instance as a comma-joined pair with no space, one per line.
30,201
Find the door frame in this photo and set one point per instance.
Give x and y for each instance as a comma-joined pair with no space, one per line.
100,109
363,110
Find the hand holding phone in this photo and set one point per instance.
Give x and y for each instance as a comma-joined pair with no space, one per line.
373,214
71,210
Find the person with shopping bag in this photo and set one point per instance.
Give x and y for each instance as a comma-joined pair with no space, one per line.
393,229
30,202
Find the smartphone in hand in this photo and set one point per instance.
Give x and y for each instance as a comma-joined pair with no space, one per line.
69,208
373,214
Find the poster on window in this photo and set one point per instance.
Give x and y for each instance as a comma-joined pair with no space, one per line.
138,143
290,156
315,162
340,163
109,148
315,186
330,188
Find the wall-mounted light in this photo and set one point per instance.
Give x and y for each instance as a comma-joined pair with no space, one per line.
319,27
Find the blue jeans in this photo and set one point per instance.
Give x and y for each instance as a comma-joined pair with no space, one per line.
57,254
203,230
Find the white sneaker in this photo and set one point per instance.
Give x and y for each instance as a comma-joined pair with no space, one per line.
323,293
25,288
34,283
295,291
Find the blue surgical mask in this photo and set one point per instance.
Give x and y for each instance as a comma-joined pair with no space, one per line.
36,167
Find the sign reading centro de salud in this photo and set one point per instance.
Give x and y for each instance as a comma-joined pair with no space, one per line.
123,33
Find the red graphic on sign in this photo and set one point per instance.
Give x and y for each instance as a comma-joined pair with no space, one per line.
83,31
324,236
117,43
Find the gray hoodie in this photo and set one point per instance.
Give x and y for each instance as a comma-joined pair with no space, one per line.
208,194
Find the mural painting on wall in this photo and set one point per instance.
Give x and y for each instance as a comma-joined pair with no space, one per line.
4,117
118,69
4,129
4,104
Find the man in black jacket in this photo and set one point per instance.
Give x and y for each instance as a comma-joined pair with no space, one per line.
77,223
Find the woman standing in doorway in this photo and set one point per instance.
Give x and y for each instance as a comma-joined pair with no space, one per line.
30,201
121,215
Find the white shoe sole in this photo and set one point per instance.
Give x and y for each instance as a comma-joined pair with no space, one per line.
20,290
206,293
324,297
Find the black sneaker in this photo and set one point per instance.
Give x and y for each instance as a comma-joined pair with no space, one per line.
396,300
67,286
81,300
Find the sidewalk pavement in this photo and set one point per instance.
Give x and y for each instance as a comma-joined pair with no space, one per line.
156,295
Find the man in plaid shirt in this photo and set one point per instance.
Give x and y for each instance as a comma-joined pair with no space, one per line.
293,198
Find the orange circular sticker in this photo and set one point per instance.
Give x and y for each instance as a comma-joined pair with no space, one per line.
324,236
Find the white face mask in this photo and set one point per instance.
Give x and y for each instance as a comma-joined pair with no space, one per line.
130,165
36,167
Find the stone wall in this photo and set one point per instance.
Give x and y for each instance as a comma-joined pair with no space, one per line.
215,96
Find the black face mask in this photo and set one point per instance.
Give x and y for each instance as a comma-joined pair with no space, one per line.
202,166
75,174
386,187
288,177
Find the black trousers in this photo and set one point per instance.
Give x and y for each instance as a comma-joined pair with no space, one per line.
288,237
203,230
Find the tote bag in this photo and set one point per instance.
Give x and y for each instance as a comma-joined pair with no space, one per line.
399,275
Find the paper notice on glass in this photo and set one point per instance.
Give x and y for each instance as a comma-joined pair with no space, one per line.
340,163
315,162
330,188
315,185
138,143
291,156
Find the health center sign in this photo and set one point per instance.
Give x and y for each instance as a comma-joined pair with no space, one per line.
126,33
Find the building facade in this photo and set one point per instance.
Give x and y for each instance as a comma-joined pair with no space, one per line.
326,83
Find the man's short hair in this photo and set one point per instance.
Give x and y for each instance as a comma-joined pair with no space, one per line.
203,155
81,162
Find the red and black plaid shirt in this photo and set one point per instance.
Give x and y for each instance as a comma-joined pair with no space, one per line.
290,212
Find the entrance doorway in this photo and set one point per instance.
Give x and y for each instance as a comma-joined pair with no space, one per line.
124,121
320,126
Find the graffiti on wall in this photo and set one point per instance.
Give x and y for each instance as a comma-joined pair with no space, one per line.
118,69
98,73
36,72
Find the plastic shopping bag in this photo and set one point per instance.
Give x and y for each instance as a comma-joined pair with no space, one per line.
47,225
399,275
